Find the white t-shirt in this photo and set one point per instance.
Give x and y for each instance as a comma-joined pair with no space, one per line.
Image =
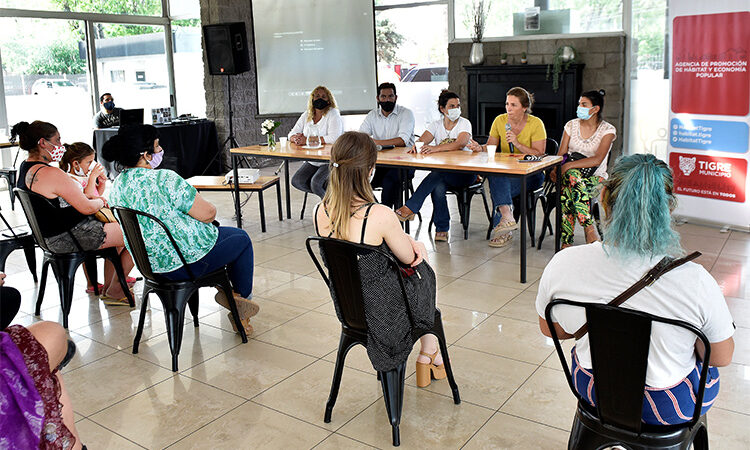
586,273
439,133
329,127
589,146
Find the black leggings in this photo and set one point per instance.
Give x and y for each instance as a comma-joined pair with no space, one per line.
10,303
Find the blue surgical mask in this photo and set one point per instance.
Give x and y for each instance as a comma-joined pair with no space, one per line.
584,113
109,106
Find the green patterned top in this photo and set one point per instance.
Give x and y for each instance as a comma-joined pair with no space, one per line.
167,196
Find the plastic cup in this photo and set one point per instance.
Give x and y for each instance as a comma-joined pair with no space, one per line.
418,145
491,152
282,141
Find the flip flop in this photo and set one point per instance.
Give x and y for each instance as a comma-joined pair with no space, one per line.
107,300
504,227
90,289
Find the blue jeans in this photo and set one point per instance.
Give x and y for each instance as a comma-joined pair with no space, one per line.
435,185
232,248
503,189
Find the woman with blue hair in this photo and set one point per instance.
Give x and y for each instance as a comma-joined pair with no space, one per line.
638,199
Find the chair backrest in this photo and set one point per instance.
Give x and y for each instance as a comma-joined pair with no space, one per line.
344,277
551,146
131,228
619,340
28,209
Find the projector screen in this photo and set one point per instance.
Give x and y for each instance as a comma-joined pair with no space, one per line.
300,44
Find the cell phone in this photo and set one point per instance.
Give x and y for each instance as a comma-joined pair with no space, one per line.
388,147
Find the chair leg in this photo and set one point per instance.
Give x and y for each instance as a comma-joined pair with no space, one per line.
346,342
141,319
89,265
114,257
531,220
467,212
304,204
65,272
193,305
6,248
42,286
278,201
393,394
30,252
700,441
437,330
227,287
262,212
174,303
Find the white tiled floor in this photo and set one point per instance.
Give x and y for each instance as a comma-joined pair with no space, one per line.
271,392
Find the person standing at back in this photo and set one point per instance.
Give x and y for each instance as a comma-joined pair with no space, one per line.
389,124
109,116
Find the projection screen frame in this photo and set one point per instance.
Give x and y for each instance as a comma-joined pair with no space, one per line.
258,115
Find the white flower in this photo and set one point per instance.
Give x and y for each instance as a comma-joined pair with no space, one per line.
263,131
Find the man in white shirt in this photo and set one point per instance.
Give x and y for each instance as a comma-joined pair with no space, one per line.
389,124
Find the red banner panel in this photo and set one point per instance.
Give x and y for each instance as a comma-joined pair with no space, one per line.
709,176
710,64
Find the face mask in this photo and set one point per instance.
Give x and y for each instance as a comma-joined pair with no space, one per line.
156,159
371,176
109,106
319,103
584,113
79,171
57,151
453,114
387,106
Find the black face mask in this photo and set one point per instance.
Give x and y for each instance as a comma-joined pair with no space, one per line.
319,103
387,106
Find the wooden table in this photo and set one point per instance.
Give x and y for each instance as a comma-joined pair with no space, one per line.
456,161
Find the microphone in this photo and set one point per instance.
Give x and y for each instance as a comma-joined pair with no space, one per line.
510,144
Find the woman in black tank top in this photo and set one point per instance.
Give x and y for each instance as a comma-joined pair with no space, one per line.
348,200
57,222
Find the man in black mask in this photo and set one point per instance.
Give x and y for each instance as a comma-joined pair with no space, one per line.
389,124
109,116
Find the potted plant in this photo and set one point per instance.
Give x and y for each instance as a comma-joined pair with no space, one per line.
561,60
504,59
523,58
480,9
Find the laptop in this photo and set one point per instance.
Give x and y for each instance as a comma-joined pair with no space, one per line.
131,116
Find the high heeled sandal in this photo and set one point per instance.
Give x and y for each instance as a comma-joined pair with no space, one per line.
404,218
426,372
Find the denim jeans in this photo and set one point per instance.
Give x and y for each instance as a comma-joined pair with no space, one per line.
503,189
387,178
232,248
311,178
435,185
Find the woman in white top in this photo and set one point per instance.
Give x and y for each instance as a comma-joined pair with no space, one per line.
452,132
638,200
587,141
322,119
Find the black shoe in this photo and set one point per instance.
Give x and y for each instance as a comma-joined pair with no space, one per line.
69,355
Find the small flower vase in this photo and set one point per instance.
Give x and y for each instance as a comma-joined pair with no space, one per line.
271,140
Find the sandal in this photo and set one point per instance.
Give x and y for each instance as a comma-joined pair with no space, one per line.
426,372
405,214
500,240
245,307
441,236
245,324
504,227
112,301
90,289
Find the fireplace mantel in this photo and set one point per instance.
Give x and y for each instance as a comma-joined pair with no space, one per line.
487,86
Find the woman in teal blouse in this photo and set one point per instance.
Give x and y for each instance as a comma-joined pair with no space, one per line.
167,196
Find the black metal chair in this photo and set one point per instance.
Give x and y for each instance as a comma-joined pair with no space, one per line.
345,281
65,265
463,198
534,196
12,239
174,295
11,176
619,340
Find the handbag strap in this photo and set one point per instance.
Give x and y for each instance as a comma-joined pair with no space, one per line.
665,265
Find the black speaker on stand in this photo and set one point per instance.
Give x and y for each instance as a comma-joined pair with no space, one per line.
227,54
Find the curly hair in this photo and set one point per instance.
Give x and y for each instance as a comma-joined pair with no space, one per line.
311,109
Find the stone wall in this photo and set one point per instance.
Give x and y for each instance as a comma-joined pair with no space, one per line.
244,92
605,68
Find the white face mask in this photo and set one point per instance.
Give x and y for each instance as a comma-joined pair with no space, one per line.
453,114
371,176
79,171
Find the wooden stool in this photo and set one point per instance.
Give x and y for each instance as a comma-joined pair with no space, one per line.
216,183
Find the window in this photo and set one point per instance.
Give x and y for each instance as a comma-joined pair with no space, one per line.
140,7
117,76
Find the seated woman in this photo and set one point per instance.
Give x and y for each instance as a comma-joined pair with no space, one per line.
634,243
450,133
36,408
70,209
589,138
349,211
521,133
323,119
167,196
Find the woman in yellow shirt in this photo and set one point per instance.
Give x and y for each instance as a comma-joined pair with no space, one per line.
519,132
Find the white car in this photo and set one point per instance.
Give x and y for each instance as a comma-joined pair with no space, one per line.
54,86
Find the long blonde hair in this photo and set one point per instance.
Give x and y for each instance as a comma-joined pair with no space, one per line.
311,108
352,157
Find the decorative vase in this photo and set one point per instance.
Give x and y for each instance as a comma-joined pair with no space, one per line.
567,54
271,140
503,61
476,56
524,60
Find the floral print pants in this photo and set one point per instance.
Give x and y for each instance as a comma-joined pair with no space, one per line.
575,200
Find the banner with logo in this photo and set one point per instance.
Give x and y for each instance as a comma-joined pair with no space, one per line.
709,125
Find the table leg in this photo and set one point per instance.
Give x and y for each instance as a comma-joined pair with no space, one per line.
237,211
558,209
402,196
522,229
262,212
288,192
278,201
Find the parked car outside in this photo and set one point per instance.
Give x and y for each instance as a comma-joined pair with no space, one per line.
419,89
54,86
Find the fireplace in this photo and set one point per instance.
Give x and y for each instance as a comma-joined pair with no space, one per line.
488,84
